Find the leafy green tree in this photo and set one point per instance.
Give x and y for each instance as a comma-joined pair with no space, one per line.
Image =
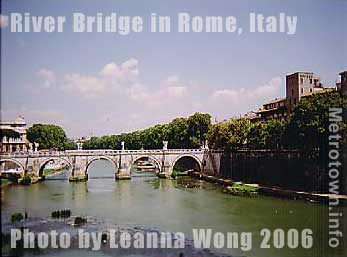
9,133
308,126
178,133
92,143
256,138
48,136
181,133
273,133
231,134
70,145
198,126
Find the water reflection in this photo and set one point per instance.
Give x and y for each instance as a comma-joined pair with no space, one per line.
168,205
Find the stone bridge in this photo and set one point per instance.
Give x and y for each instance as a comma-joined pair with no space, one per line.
79,160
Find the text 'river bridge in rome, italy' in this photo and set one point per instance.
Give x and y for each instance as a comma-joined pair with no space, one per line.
33,163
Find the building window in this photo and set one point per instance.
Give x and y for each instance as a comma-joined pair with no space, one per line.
301,80
310,81
310,90
302,90
292,91
294,100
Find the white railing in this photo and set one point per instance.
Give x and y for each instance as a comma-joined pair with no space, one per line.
96,152
11,140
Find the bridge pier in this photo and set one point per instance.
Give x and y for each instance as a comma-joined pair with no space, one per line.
77,175
124,166
78,172
166,170
123,173
78,178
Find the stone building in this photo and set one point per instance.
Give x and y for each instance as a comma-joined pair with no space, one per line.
342,85
298,85
252,116
275,109
13,136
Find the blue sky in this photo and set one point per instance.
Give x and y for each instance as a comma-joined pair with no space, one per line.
102,83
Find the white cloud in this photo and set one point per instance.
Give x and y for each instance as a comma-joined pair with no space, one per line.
172,81
110,77
227,103
269,90
47,76
84,86
138,92
170,89
110,70
134,104
3,21
176,91
125,73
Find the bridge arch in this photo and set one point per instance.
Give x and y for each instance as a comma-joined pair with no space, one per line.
114,163
47,160
153,158
197,160
15,162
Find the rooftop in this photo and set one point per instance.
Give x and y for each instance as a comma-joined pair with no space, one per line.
325,90
301,72
268,110
19,121
276,100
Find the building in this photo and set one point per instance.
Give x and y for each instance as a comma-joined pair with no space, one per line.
252,116
342,85
300,84
323,91
13,136
275,109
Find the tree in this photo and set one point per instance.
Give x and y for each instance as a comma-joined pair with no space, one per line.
198,126
70,145
308,126
181,133
9,133
231,134
273,133
178,133
48,136
256,138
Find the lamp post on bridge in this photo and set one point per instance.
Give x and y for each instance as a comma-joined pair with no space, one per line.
205,145
165,143
123,171
79,145
36,145
164,166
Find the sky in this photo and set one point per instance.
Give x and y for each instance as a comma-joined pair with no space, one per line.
107,83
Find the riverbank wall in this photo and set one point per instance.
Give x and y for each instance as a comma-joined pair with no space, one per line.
290,170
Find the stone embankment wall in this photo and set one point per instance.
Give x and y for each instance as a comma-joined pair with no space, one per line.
286,169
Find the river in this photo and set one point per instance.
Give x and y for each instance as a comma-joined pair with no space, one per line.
167,205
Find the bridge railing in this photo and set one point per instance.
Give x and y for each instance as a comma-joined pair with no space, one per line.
96,152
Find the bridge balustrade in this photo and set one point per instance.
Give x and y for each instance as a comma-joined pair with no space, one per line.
97,152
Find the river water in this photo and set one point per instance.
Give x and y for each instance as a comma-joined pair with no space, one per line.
168,205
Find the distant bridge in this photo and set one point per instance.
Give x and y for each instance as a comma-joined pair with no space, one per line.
122,160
